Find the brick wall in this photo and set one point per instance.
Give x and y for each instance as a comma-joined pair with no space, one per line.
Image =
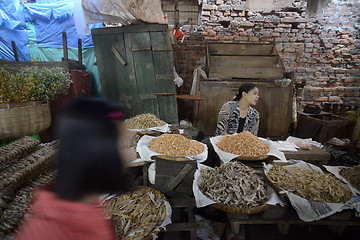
322,52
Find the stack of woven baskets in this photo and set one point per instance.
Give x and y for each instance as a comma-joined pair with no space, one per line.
24,164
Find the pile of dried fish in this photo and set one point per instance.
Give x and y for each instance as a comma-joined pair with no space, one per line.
175,145
352,175
17,149
244,144
144,121
137,214
233,184
308,184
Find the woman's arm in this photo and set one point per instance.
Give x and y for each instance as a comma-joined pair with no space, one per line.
223,118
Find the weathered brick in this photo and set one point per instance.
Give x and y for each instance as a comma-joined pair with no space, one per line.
206,13
228,38
334,99
321,99
279,30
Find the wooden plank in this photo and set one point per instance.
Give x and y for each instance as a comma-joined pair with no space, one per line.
140,41
180,177
145,79
182,202
160,41
246,72
65,48
130,29
16,66
164,75
109,67
118,56
230,62
274,121
182,227
15,51
241,49
132,91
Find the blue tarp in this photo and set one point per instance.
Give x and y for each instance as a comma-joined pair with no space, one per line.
50,21
37,30
53,19
12,28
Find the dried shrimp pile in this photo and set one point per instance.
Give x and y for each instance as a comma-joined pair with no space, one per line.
175,145
310,185
244,144
352,175
233,184
137,214
144,121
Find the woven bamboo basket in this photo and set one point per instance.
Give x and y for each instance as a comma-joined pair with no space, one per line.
169,158
20,119
235,210
243,158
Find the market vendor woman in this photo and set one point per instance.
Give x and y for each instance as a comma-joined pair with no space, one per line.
239,115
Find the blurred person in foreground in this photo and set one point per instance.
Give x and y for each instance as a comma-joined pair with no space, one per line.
91,161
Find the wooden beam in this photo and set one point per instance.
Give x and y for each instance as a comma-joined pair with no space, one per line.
16,55
65,49
180,177
80,50
118,56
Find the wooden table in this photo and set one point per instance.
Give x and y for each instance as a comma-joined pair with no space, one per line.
285,216
316,156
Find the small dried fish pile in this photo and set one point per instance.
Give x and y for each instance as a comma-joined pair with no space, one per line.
308,184
233,184
17,149
352,175
144,121
138,214
175,145
244,144
13,212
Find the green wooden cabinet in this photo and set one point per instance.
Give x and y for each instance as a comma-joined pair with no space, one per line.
134,63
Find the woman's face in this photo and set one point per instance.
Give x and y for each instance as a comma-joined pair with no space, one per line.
252,97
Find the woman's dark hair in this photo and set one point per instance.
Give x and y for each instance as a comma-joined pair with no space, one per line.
88,159
246,87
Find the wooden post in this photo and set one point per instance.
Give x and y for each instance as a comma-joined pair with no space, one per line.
197,88
16,55
80,50
65,50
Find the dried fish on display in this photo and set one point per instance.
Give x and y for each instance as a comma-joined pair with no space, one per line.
309,184
17,149
352,175
175,145
233,184
144,121
137,215
244,144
